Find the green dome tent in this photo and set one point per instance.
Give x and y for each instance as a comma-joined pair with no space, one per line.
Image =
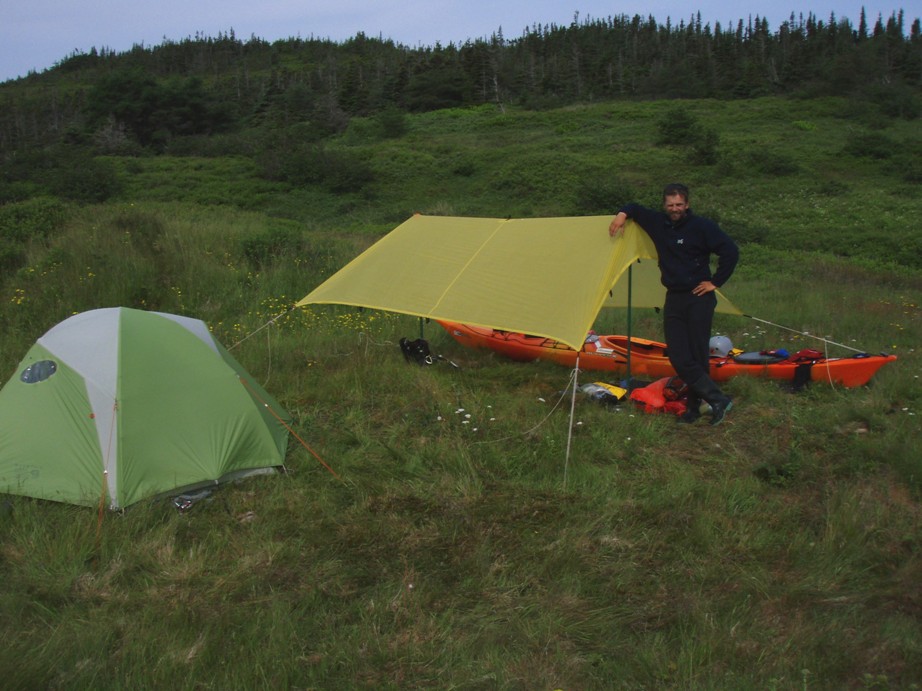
118,405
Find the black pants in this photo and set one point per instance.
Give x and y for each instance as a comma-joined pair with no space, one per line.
687,320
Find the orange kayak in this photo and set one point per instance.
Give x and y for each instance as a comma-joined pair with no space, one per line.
648,358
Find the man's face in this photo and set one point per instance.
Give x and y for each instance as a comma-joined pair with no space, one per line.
676,207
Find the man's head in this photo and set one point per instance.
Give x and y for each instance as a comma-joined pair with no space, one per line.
675,201
675,188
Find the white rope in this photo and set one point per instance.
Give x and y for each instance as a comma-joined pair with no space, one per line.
269,358
370,341
540,422
828,368
805,333
268,323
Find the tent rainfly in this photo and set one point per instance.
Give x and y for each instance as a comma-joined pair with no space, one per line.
543,276
116,405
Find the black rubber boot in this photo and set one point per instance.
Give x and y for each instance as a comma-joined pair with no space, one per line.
720,402
692,409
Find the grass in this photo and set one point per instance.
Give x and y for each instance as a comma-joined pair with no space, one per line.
779,550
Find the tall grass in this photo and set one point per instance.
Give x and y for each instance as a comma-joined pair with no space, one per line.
458,545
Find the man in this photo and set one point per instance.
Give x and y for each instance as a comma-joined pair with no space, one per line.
685,243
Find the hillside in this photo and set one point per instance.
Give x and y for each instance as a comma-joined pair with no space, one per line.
151,96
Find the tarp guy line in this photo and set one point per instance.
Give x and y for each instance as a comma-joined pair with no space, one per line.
804,333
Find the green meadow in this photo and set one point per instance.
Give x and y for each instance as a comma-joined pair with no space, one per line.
445,527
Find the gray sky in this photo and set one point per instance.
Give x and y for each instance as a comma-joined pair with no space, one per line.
35,34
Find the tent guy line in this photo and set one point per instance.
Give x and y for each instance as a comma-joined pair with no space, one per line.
255,394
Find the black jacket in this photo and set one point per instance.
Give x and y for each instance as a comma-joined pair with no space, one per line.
685,248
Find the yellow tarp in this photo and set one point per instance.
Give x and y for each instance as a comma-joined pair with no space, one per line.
542,276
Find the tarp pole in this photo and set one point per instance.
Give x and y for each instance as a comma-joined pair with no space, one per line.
566,463
629,277
421,327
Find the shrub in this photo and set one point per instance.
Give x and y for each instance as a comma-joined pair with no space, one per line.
266,247
804,125
770,162
39,217
12,255
15,191
744,233
538,177
704,146
870,145
84,179
676,127
833,188
906,163
601,193
143,229
337,171
908,167
344,171
393,122
464,168
896,101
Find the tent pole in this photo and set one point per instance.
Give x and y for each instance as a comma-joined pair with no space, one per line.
421,327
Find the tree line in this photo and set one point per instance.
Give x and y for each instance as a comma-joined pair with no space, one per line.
151,95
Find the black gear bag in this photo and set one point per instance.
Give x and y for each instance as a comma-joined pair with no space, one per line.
416,351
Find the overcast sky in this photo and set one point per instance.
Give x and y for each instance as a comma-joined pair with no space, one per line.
35,34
